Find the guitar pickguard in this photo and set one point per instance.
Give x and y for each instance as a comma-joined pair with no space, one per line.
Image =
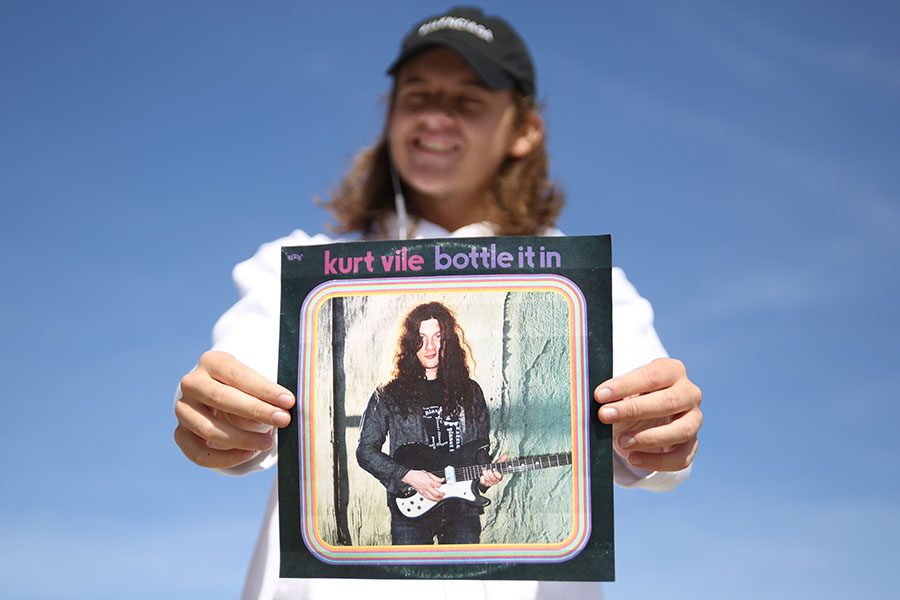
417,505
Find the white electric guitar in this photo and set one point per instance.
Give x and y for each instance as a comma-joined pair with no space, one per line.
460,476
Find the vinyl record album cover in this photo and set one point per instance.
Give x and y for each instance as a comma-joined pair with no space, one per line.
444,425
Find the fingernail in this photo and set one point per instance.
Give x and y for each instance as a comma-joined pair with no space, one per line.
286,400
604,394
635,459
268,443
609,413
281,418
626,441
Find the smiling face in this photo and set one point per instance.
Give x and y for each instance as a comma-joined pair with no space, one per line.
429,354
449,136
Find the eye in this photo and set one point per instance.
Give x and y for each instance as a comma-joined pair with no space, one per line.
413,100
469,104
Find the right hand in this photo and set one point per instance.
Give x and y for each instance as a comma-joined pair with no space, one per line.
426,484
228,412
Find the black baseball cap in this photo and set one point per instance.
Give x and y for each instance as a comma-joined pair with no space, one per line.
490,46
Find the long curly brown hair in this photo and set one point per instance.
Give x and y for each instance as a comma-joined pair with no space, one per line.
523,201
453,363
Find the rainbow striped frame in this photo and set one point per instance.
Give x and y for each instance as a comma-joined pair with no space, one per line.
454,554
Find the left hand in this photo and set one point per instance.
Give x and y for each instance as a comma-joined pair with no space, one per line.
491,477
655,414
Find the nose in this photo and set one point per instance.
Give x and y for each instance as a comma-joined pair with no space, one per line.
437,113
429,344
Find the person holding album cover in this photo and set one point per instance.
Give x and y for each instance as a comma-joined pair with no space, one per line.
430,404
462,154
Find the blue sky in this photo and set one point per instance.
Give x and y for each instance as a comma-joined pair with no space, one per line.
743,156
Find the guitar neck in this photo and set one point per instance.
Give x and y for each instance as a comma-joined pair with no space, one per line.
518,465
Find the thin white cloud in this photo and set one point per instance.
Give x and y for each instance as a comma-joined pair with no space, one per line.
754,46
857,195
860,204
858,62
762,290
830,274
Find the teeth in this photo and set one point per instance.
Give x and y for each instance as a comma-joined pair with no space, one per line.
435,146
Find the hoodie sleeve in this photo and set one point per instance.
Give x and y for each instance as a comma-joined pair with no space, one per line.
635,343
249,329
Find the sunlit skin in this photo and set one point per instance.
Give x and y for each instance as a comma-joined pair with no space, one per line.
449,135
429,353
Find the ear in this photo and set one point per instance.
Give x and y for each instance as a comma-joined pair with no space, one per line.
528,136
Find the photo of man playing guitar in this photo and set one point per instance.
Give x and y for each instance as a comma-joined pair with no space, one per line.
431,408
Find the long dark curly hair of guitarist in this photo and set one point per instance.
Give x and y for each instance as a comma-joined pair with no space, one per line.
453,365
